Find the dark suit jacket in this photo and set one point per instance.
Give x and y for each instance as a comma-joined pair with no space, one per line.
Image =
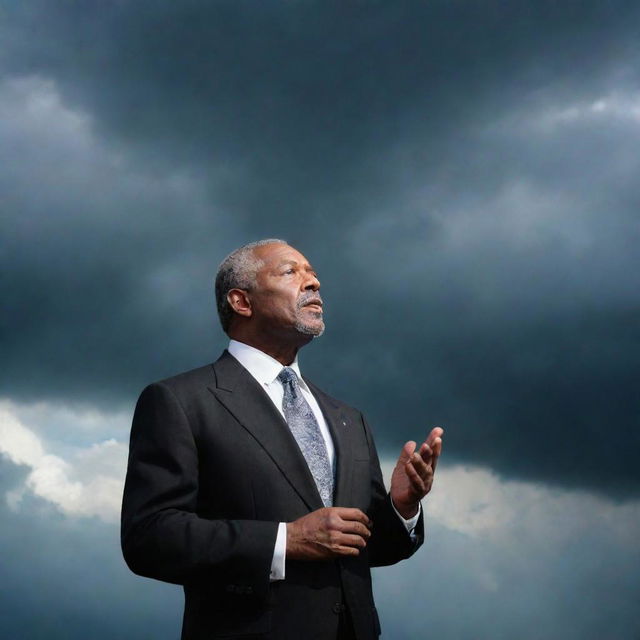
213,469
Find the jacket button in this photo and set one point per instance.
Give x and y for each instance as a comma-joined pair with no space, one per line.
337,608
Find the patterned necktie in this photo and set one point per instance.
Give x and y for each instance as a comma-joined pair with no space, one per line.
305,429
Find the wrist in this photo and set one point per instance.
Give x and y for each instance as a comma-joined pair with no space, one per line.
407,511
292,542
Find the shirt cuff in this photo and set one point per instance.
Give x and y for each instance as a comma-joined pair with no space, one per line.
279,554
411,523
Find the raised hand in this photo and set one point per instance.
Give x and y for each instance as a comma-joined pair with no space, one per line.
413,474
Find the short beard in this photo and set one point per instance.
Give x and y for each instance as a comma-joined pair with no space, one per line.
307,330
302,327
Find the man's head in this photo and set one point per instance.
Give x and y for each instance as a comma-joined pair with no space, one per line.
268,289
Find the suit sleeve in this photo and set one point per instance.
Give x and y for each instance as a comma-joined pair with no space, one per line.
163,536
390,541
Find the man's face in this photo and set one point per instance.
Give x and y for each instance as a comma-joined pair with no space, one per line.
287,295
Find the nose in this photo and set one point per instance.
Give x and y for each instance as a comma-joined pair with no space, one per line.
311,283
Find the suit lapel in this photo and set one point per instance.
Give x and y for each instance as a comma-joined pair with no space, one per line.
340,432
239,392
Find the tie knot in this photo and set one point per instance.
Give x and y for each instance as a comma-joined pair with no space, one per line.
288,375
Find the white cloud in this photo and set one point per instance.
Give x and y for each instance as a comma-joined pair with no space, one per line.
477,503
87,483
472,501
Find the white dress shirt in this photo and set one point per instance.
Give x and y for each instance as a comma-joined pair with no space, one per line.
265,370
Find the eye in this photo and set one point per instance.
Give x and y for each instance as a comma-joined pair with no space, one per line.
289,271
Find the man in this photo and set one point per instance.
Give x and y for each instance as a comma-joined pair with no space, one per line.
255,490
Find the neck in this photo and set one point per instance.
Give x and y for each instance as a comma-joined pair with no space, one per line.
285,354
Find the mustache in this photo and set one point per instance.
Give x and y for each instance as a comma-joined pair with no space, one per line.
309,297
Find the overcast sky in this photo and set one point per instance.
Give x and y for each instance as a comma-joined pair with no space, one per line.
464,178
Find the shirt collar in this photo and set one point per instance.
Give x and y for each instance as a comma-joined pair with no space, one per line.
261,366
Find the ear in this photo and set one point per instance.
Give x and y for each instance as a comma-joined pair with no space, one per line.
240,302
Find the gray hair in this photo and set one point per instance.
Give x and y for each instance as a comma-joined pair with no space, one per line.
238,271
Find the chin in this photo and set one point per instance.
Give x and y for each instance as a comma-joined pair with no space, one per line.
313,330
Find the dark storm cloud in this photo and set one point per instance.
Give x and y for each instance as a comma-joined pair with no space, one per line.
446,166
297,85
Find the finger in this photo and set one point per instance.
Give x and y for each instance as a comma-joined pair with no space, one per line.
407,451
426,452
346,551
335,541
349,514
348,540
436,432
426,457
354,527
434,442
417,483
437,450
422,465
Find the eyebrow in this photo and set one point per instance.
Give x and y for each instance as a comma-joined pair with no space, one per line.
292,262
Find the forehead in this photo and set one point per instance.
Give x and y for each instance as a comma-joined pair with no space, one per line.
274,254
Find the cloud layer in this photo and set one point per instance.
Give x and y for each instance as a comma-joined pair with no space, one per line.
486,247
464,178
501,556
